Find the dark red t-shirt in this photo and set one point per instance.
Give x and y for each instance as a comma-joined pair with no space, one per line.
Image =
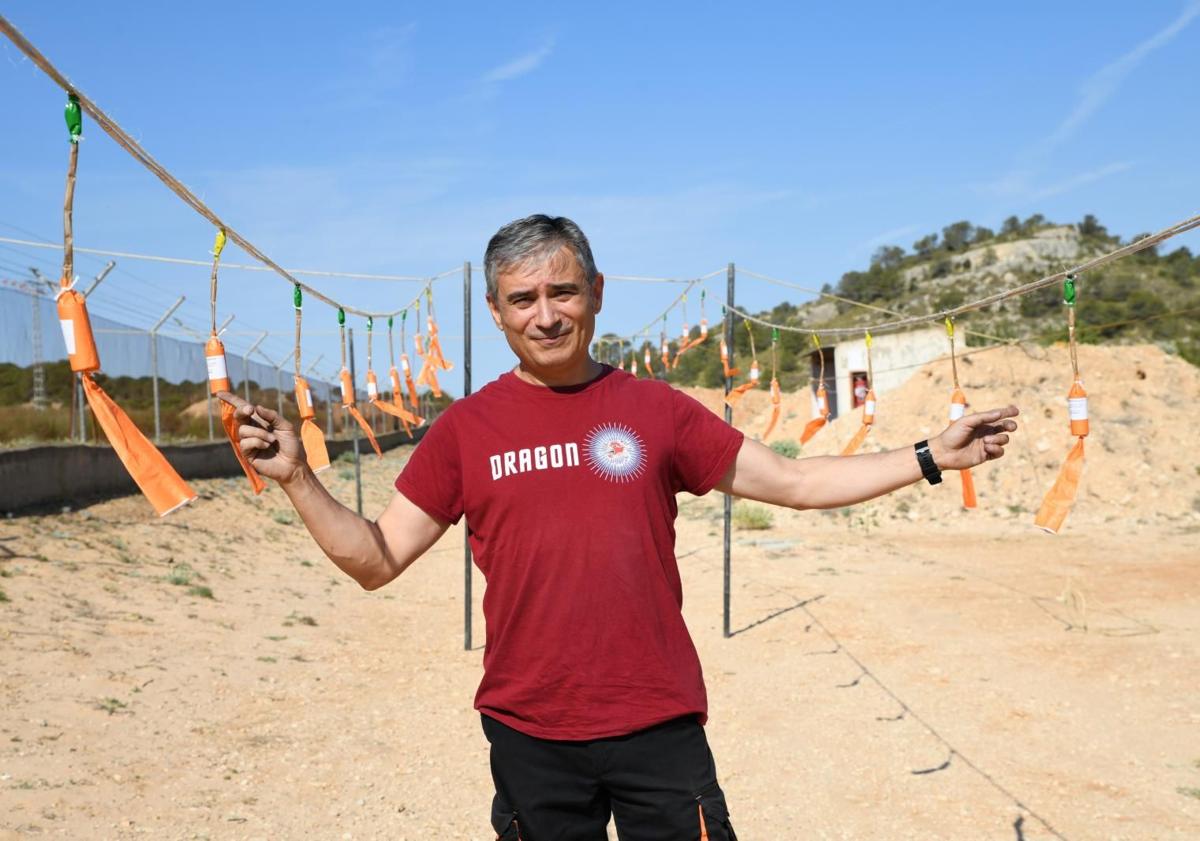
569,496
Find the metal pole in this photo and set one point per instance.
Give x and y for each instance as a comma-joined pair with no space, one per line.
730,274
466,391
246,363
354,431
328,410
154,384
279,381
154,364
82,408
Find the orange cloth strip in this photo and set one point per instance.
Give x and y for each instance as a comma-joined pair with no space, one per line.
729,372
357,415
968,488
315,451
1061,497
814,425
737,392
857,440
149,468
230,424
409,385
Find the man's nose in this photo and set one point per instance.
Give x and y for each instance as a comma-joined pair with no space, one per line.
545,316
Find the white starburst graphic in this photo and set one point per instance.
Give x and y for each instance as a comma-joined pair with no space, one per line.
615,452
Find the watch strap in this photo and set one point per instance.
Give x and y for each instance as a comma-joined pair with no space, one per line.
929,468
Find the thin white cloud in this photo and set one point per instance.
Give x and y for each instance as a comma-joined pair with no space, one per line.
1096,91
1081,180
1101,85
521,65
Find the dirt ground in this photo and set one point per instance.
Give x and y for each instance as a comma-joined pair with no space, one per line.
953,675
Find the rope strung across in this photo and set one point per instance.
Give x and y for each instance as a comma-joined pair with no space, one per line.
218,374
958,408
154,475
820,398
348,396
315,451
868,417
1057,503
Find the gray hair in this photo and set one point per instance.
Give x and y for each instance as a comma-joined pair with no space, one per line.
535,237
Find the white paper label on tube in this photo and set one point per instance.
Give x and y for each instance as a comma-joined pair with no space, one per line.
372,390
404,364
345,393
68,328
871,407
216,367
1077,407
957,410
308,397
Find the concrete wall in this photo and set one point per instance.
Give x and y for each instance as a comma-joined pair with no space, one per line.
894,356
54,476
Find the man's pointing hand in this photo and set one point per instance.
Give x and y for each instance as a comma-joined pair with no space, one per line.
267,440
974,439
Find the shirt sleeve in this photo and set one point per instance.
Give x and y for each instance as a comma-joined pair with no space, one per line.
705,446
432,478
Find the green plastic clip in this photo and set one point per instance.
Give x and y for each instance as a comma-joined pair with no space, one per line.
1069,290
341,316
297,297
74,115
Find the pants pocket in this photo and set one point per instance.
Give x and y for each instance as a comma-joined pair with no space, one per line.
713,815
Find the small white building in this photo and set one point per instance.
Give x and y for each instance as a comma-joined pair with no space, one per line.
894,358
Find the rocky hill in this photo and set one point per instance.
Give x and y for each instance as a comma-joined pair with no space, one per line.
1150,297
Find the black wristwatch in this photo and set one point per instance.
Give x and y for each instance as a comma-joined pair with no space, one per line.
928,468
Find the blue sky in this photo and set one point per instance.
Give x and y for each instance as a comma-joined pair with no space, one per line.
396,137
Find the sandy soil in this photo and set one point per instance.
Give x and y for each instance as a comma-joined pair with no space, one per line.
957,676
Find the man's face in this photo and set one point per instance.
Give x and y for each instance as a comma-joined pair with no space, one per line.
547,312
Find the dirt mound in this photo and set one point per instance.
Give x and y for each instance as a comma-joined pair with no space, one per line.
1141,459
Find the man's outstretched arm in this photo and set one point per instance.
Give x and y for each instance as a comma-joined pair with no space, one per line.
372,553
761,474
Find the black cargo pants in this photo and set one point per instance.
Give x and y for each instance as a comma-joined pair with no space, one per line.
660,784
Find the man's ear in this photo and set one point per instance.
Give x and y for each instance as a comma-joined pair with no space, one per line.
598,292
494,310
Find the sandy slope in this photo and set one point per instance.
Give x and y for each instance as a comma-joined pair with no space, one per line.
1059,671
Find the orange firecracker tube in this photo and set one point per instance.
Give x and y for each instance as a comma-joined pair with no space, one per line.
729,372
77,332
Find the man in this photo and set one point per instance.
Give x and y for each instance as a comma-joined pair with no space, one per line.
566,470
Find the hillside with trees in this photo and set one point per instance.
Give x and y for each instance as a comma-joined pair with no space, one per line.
1148,297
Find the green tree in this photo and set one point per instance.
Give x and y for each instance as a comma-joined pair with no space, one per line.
957,236
888,257
1033,224
925,246
1091,227
983,234
1010,226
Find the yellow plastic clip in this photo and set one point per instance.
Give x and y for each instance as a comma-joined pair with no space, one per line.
816,340
219,245
868,340
949,327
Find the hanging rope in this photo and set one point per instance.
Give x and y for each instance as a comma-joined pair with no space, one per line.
1061,497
